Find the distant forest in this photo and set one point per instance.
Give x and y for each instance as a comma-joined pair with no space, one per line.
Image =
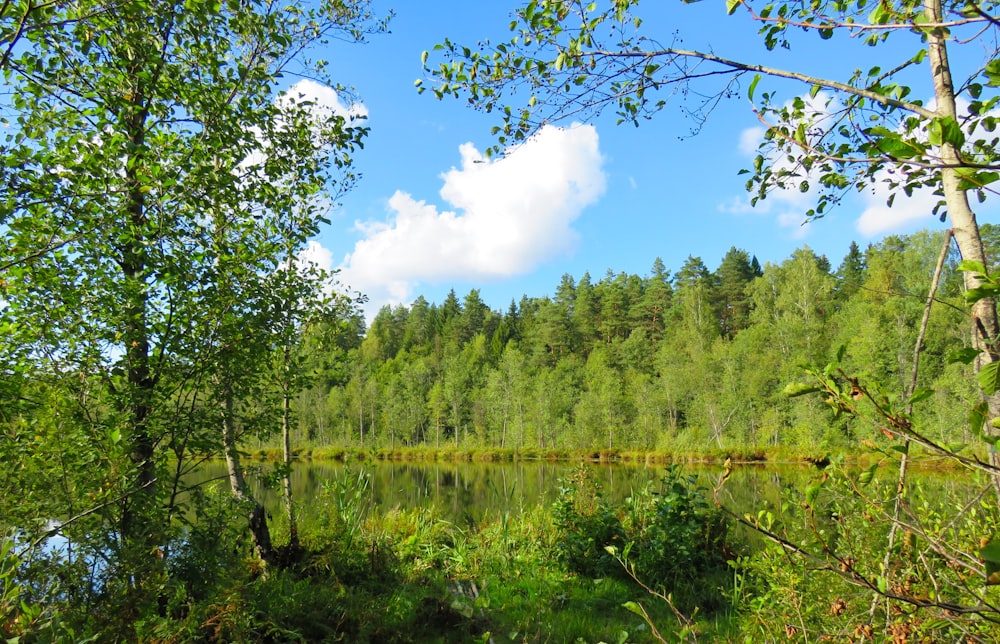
690,361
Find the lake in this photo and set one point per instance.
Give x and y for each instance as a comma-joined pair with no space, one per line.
467,493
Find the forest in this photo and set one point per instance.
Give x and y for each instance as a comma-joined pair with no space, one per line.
694,362
163,166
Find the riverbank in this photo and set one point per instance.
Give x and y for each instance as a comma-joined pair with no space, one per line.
753,456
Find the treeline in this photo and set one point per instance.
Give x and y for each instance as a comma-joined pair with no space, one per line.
691,361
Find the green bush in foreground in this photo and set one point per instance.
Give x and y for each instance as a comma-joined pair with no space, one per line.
677,542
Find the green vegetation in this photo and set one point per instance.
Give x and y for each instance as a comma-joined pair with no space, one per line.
398,576
690,364
680,544
157,188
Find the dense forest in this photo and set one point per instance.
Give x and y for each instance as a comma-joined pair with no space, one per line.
691,361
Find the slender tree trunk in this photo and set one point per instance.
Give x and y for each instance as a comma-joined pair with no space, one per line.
256,513
286,431
141,530
963,220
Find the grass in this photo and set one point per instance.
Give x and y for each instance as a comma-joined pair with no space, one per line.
411,576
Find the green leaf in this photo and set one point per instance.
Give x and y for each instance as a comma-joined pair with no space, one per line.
920,394
981,292
945,130
812,492
753,86
794,389
990,554
967,355
970,179
969,266
800,134
977,417
989,378
892,143
633,607
868,475
992,73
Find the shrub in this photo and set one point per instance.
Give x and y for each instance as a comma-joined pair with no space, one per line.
586,526
681,543
678,542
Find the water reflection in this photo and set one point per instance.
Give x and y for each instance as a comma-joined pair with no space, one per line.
470,492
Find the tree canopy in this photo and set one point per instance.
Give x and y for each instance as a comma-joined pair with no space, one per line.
159,178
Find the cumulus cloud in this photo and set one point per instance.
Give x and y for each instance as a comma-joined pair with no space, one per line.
908,212
322,100
878,218
750,139
505,217
319,101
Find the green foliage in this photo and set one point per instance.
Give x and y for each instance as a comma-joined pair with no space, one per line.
156,186
851,574
671,539
612,60
587,525
679,542
689,372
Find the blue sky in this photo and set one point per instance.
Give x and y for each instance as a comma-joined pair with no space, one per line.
426,217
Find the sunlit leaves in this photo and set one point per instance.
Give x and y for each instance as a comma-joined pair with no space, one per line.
992,73
989,378
945,130
566,59
989,286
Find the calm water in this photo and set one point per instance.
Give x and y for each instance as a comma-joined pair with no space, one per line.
470,492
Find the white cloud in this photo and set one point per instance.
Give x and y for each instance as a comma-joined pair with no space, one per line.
315,254
319,101
506,217
750,139
787,206
323,100
740,205
797,225
906,212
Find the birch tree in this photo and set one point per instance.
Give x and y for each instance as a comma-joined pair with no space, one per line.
152,180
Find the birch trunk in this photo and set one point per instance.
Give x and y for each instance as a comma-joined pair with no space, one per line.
286,430
965,228
241,491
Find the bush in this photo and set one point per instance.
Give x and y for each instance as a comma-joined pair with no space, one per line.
586,526
679,543
682,544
